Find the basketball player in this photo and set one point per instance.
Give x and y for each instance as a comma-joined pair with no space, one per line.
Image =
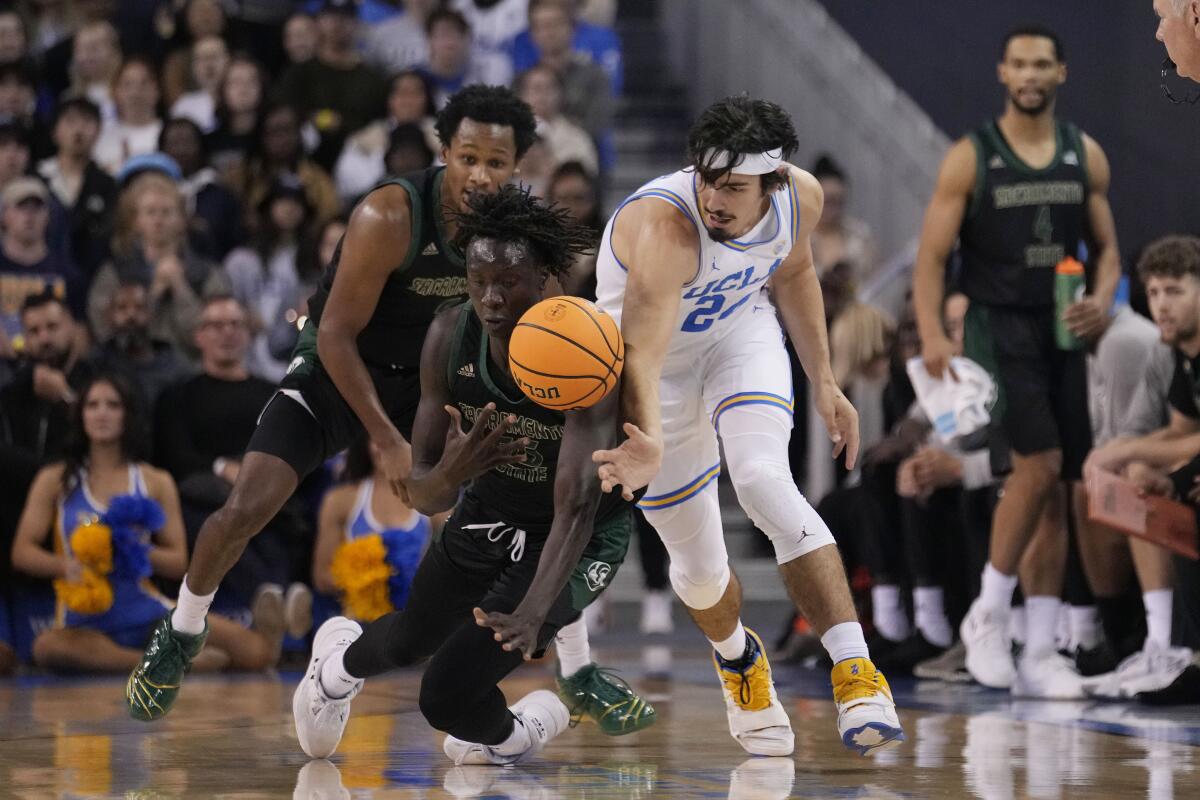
686,264
355,365
531,541
1179,31
1019,194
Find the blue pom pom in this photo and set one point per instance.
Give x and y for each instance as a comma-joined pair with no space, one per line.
131,517
135,511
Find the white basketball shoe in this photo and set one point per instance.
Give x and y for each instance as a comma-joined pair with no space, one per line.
989,649
540,714
320,719
757,720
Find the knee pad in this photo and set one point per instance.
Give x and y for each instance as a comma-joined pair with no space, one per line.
700,590
769,496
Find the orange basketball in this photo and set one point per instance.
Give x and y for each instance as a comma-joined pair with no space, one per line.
566,354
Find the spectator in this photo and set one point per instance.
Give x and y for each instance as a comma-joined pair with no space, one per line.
400,43
361,164
572,187
495,25
102,463
596,41
278,151
137,125
360,506
86,191
213,212
838,238
14,39
587,94
14,152
408,151
210,59
28,266
152,364
335,91
266,280
201,428
95,61
54,23
150,247
238,105
18,101
300,37
450,66
201,20
565,141
319,250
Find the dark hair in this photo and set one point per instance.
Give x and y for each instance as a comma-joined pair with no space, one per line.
190,124
409,135
430,106
80,103
519,82
740,124
826,167
358,463
21,70
268,235
308,257
444,14
573,169
494,105
220,297
258,154
134,435
1040,31
43,298
513,215
1170,257
14,132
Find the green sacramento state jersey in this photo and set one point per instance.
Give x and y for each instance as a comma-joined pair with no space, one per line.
1022,221
521,494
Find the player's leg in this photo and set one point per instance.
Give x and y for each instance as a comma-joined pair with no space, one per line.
247,649
82,650
744,389
287,444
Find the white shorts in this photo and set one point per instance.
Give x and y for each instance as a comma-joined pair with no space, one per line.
749,366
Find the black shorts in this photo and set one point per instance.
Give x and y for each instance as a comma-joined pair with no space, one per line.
494,563
1041,402
303,439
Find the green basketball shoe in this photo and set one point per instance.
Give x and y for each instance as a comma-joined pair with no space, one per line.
606,699
154,683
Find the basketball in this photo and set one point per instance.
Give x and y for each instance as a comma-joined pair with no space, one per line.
566,354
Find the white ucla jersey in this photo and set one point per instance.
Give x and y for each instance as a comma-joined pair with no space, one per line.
729,276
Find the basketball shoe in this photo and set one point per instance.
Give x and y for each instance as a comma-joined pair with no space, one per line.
319,718
154,683
867,720
320,780
756,717
1150,669
539,715
989,648
1047,676
606,699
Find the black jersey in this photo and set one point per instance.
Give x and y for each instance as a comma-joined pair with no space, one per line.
430,275
520,494
1021,222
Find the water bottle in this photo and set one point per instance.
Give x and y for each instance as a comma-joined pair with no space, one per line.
1069,287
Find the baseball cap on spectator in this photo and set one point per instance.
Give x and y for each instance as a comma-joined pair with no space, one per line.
347,7
149,162
24,188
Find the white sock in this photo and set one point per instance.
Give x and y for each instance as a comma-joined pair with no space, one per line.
888,614
190,610
517,742
571,645
1041,625
335,681
996,589
1016,624
731,649
930,612
1158,616
1086,631
845,641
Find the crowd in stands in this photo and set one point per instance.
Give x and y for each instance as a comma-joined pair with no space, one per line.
174,177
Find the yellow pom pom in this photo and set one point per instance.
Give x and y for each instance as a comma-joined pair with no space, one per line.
91,545
92,594
360,571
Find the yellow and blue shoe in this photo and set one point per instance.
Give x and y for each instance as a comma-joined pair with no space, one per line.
605,699
867,720
757,720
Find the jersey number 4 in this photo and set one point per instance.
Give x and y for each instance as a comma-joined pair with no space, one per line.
708,310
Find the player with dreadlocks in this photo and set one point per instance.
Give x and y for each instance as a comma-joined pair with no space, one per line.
511,566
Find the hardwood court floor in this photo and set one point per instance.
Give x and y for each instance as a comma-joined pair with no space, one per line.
233,738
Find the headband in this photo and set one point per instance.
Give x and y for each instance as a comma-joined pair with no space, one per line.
750,164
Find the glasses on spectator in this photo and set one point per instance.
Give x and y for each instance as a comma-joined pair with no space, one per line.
223,324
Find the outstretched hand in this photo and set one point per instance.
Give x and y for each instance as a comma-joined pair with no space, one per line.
471,453
632,465
515,631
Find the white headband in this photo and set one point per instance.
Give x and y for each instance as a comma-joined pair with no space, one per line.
750,164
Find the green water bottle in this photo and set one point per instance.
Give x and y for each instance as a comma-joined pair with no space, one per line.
1069,287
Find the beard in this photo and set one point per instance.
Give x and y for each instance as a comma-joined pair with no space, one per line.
131,340
1047,98
718,234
